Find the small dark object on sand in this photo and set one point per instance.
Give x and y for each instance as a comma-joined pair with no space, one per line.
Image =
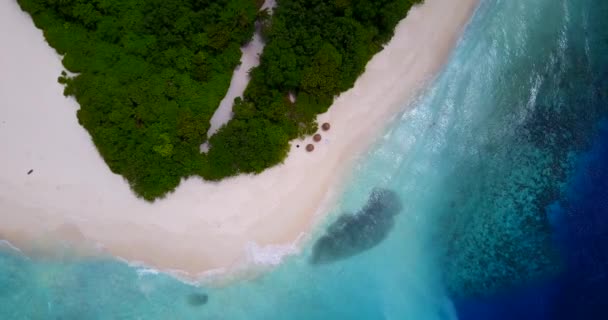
316,137
325,126
30,172
310,147
197,299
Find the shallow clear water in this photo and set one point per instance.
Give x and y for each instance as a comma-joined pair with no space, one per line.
499,209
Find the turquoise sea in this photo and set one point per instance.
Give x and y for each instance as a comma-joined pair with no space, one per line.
488,199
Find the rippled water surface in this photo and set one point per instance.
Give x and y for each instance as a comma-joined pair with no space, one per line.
488,200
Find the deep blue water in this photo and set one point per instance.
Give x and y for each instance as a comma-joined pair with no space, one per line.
578,213
580,226
485,200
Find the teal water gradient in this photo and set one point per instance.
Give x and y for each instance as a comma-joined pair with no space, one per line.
473,163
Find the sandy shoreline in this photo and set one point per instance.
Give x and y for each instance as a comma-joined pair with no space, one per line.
72,195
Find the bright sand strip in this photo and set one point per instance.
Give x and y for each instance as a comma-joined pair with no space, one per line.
72,195
240,77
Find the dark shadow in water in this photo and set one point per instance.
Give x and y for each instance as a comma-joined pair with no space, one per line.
197,299
352,234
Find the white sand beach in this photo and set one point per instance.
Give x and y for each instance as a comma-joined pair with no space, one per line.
72,196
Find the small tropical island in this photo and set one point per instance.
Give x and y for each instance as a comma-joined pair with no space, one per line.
148,76
303,159
164,97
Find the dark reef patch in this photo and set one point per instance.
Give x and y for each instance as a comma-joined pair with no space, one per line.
352,234
197,299
581,236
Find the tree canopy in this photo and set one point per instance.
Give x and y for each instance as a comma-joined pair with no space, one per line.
315,49
148,75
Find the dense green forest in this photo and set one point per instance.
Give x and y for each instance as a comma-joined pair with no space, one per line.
148,75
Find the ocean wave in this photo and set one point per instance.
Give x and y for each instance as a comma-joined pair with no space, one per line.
7,244
270,255
141,272
256,256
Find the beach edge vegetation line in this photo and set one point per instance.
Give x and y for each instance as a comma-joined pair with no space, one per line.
149,74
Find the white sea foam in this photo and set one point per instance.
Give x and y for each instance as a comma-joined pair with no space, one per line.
7,244
269,255
147,271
